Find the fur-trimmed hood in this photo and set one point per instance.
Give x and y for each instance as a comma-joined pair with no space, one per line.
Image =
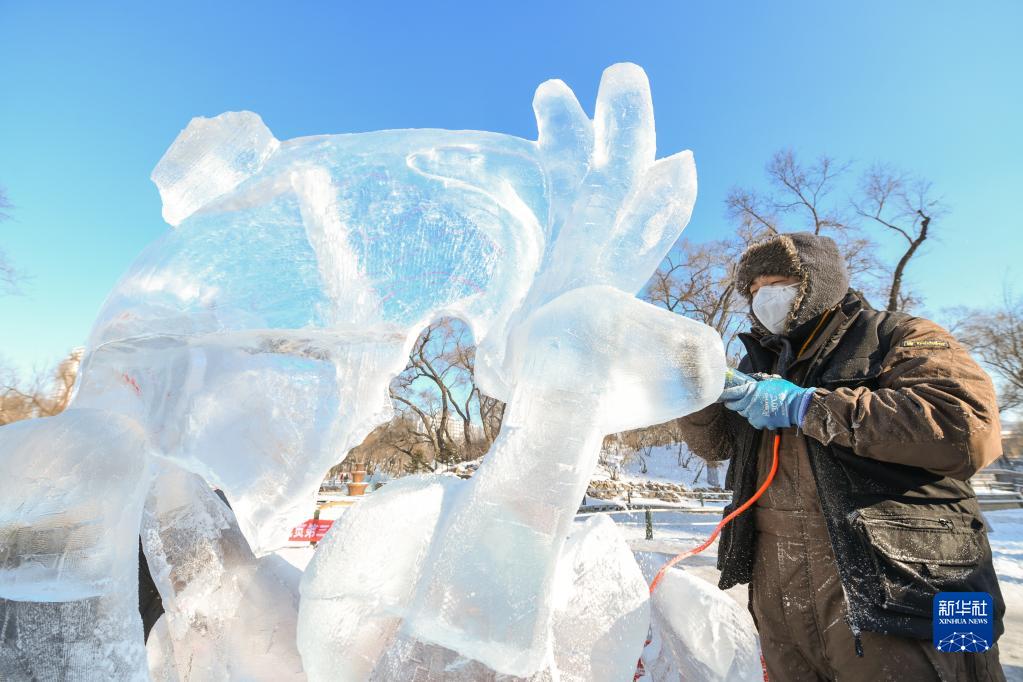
811,258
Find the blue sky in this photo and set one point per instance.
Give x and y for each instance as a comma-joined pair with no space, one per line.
91,94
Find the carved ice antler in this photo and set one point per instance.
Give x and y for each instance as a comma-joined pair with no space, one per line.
614,210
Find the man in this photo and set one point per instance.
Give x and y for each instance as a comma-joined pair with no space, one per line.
882,418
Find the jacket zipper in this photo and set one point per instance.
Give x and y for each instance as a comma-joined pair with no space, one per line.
850,618
902,521
816,362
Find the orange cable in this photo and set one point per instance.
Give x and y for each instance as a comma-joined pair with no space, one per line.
713,536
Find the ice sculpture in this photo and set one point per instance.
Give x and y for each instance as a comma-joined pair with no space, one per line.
227,614
698,631
253,344
72,489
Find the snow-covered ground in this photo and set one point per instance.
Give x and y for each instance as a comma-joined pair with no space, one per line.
660,464
1007,547
297,555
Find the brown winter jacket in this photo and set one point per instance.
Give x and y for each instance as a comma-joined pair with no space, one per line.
902,416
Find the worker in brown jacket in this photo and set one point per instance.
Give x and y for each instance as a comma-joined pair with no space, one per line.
882,418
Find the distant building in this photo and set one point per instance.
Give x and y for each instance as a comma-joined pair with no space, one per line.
1012,446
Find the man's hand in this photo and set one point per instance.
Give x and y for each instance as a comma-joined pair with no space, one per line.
772,403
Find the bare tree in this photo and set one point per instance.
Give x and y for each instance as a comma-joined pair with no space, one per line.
806,196
905,206
397,447
491,416
43,395
490,410
803,197
696,280
804,188
10,278
437,394
751,212
996,337
615,453
405,449
442,417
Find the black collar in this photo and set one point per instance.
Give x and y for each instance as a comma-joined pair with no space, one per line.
776,353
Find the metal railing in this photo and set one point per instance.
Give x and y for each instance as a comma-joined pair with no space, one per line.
713,502
695,501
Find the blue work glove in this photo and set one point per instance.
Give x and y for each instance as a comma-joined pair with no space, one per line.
771,403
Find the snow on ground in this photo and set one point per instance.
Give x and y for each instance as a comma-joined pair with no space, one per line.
660,464
1007,548
297,556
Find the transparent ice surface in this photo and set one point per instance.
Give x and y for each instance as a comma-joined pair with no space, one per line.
601,609
358,586
253,344
227,613
72,492
700,633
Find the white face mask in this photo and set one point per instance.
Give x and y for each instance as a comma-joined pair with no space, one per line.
772,305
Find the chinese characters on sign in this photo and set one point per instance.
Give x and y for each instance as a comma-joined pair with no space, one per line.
962,607
312,530
963,622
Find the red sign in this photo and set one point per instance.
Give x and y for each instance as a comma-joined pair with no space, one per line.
312,530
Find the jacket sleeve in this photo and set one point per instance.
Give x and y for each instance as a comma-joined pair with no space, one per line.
934,407
707,432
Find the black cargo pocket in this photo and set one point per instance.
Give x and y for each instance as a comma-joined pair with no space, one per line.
917,557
